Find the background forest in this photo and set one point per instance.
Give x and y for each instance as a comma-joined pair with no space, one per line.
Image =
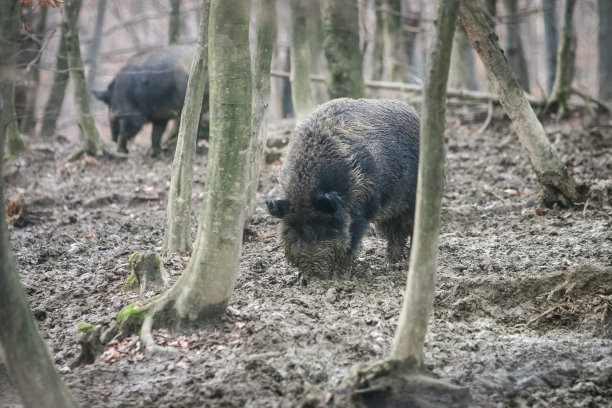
522,308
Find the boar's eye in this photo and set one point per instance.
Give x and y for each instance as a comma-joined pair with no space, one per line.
278,208
328,202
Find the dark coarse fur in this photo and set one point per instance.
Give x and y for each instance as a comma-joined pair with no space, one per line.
351,162
150,87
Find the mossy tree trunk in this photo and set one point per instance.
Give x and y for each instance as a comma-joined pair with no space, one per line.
551,41
300,60
174,29
341,45
34,22
462,62
92,144
53,106
22,350
203,291
562,87
261,61
177,235
10,19
557,185
604,62
514,44
94,47
418,300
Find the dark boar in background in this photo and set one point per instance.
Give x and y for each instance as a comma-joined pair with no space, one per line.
351,162
150,87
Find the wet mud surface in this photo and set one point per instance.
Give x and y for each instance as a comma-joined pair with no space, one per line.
523,307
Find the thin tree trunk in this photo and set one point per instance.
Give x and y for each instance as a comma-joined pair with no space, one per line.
280,95
177,236
318,90
203,291
94,47
300,60
174,30
418,300
27,65
92,144
462,62
10,19
551,42
341,44
604,62
557,185
562,87
367,22
53,106
394,51
265,27
514,45
22,350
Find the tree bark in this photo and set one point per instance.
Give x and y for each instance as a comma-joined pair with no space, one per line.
92,144
604,62
462,63
318,65
280,89
177,235
10,17
341,45
551,42
174,29
367,22
53,106
22,350
300,60
514,45
27,66
261,61
418,300
562,87
203,291
557,185
94,47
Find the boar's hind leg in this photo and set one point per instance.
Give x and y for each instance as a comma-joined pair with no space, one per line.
156,135
396,231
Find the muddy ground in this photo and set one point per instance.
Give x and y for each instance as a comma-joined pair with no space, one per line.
523,307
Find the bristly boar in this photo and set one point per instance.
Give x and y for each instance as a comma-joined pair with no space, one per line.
351,162
150,87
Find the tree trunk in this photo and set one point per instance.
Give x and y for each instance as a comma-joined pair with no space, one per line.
94,47
562,87
318,90
174,29
261,61
341,45
24,353
203,291
27,66
300,60
604,62
418,300
462,63
92,144
10,17
367,22
551,42
53,107
514,45
557,185
177,236
394,60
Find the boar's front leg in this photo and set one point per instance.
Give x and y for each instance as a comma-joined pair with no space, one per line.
156,135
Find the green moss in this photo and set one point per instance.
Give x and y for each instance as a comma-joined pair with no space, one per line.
131,317
132,256
157,262
85,328
131,281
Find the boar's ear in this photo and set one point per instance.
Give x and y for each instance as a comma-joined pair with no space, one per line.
328,202
104,96
278,208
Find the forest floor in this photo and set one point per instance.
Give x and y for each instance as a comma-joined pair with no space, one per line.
523,306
